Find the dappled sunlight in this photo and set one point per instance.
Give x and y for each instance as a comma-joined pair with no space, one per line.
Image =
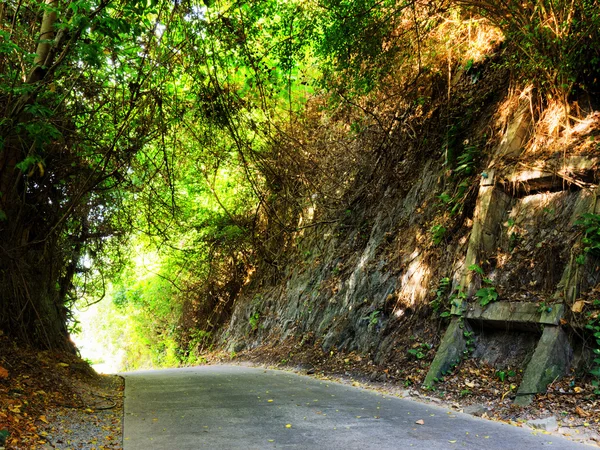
553,134
414,282
472,39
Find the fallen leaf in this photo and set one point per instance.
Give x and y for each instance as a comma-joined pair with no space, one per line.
580,412
289,425
420,422
3,373
578,306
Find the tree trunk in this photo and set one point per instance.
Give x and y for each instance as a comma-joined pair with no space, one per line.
31,307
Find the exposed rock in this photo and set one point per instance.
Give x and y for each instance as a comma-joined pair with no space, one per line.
545,424
476,410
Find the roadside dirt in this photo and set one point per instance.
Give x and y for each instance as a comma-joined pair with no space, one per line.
54,400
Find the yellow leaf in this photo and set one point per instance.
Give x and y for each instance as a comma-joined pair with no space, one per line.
452,442
578,306
43,419
269,401
289,425
62,365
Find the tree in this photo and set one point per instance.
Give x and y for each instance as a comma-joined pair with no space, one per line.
75,116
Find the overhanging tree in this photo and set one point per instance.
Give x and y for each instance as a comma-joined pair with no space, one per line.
74,85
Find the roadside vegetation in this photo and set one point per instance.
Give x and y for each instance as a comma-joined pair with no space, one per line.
159,159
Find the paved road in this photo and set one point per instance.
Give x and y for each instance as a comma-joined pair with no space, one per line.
226,407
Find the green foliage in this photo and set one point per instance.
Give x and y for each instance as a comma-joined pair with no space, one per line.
254,320
487,294
469,341
437,233
594,326
555,41
467,161
158,159
589,223
464,167
438,304
374,318
477,269
504,374
420,351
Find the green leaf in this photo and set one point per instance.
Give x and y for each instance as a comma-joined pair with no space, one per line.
26,164
476,268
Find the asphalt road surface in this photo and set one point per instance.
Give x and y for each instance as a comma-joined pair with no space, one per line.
230,407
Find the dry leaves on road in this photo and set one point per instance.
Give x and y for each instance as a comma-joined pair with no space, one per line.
43,399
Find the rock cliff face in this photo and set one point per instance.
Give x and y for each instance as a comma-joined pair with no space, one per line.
421,246
348,299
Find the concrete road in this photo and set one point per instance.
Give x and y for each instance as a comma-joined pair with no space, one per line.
226,407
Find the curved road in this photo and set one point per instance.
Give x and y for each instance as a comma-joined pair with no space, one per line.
230,407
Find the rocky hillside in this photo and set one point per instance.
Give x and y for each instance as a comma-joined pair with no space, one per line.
419,245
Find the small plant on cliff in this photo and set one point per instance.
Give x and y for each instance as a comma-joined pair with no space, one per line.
441,292
469,342
253,320
590,224
420,351
594,326
437,233
487,294
374,318
466,162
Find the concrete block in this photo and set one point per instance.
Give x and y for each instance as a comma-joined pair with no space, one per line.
491,207
517,132
550,361
515,315
569,286
450,351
